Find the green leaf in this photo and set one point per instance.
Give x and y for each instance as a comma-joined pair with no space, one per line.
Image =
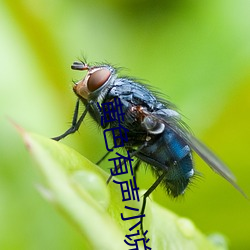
78,189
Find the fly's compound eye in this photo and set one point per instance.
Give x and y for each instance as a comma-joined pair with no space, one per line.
97,79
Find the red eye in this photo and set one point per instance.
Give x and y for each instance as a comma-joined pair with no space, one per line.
97,79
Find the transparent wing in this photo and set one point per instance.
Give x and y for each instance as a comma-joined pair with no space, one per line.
207,155
175,124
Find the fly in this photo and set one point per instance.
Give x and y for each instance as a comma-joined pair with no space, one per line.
156,134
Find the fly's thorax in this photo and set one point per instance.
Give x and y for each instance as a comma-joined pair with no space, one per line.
154,122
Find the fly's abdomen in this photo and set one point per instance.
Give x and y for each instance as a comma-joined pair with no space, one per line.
180,166
168,153
178,176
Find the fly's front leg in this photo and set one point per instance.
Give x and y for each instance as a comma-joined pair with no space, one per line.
75,123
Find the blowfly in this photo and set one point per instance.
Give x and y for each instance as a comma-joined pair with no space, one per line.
156,134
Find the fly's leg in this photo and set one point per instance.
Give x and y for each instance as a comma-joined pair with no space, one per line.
110,177
75,123
136,167
147,193
131,155
104,157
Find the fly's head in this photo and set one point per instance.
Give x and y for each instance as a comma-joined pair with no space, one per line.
95,81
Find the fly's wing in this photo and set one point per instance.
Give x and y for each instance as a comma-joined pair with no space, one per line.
212,160
175,124
208,156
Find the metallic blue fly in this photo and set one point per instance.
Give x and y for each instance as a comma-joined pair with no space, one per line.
156,134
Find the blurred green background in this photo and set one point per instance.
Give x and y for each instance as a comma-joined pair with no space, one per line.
196,52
